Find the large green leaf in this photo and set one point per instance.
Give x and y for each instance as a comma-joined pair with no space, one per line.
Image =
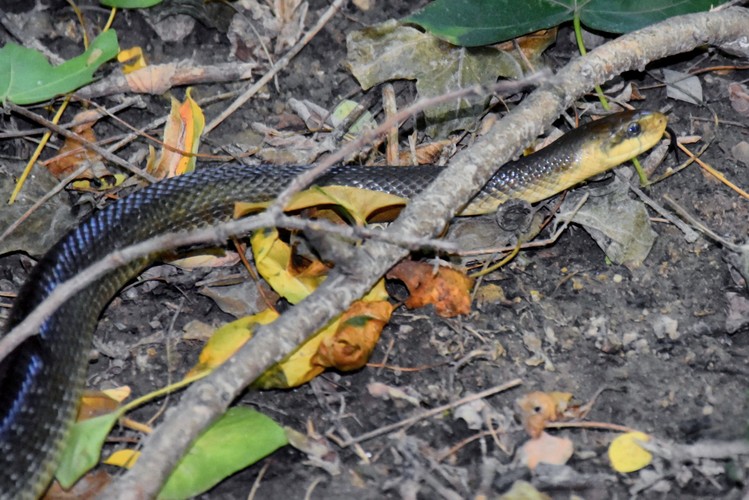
238,439
83,448
481,22
26,77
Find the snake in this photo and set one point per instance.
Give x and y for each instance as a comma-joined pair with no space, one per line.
42,380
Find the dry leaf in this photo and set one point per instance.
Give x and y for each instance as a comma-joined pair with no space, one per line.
356,337
738,94
538,408
546,449
153,79
96,403
132,59
72,153
626,454
88,487
182,134
447,289
123,458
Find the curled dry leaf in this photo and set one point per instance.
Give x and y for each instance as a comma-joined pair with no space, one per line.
72,153
356,337
448,290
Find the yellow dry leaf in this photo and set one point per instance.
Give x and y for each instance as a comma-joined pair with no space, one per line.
273,261
132,59
99,183
361,205
299,368
228,339
181,134
626,454
123,458
119,394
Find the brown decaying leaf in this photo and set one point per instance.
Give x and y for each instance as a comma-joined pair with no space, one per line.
154,79
66,161
358,333
88,487
425,154
96,403
738,94
532,45
447,289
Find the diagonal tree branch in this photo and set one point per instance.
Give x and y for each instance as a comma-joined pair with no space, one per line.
424,216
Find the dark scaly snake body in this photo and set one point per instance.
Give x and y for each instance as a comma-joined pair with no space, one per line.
41,382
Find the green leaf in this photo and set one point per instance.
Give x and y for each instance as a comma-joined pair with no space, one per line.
26,77
470,23
130,4
622,16
238,439
83,448
481,22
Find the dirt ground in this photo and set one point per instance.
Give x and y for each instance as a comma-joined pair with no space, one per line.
667,340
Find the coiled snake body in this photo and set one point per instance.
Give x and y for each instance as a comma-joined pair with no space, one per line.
42,380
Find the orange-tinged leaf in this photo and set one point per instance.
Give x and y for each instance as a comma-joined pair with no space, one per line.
132,59
536,408
425,153
546,449
300,367
447,289
532,45
182,134
627,455
356,337
123,458
72,153
96,403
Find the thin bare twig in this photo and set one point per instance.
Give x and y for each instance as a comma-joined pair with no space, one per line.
88,144
430,413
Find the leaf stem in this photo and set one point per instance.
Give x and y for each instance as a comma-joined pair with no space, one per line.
581,48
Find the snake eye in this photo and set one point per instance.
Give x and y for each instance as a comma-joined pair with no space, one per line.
634,130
